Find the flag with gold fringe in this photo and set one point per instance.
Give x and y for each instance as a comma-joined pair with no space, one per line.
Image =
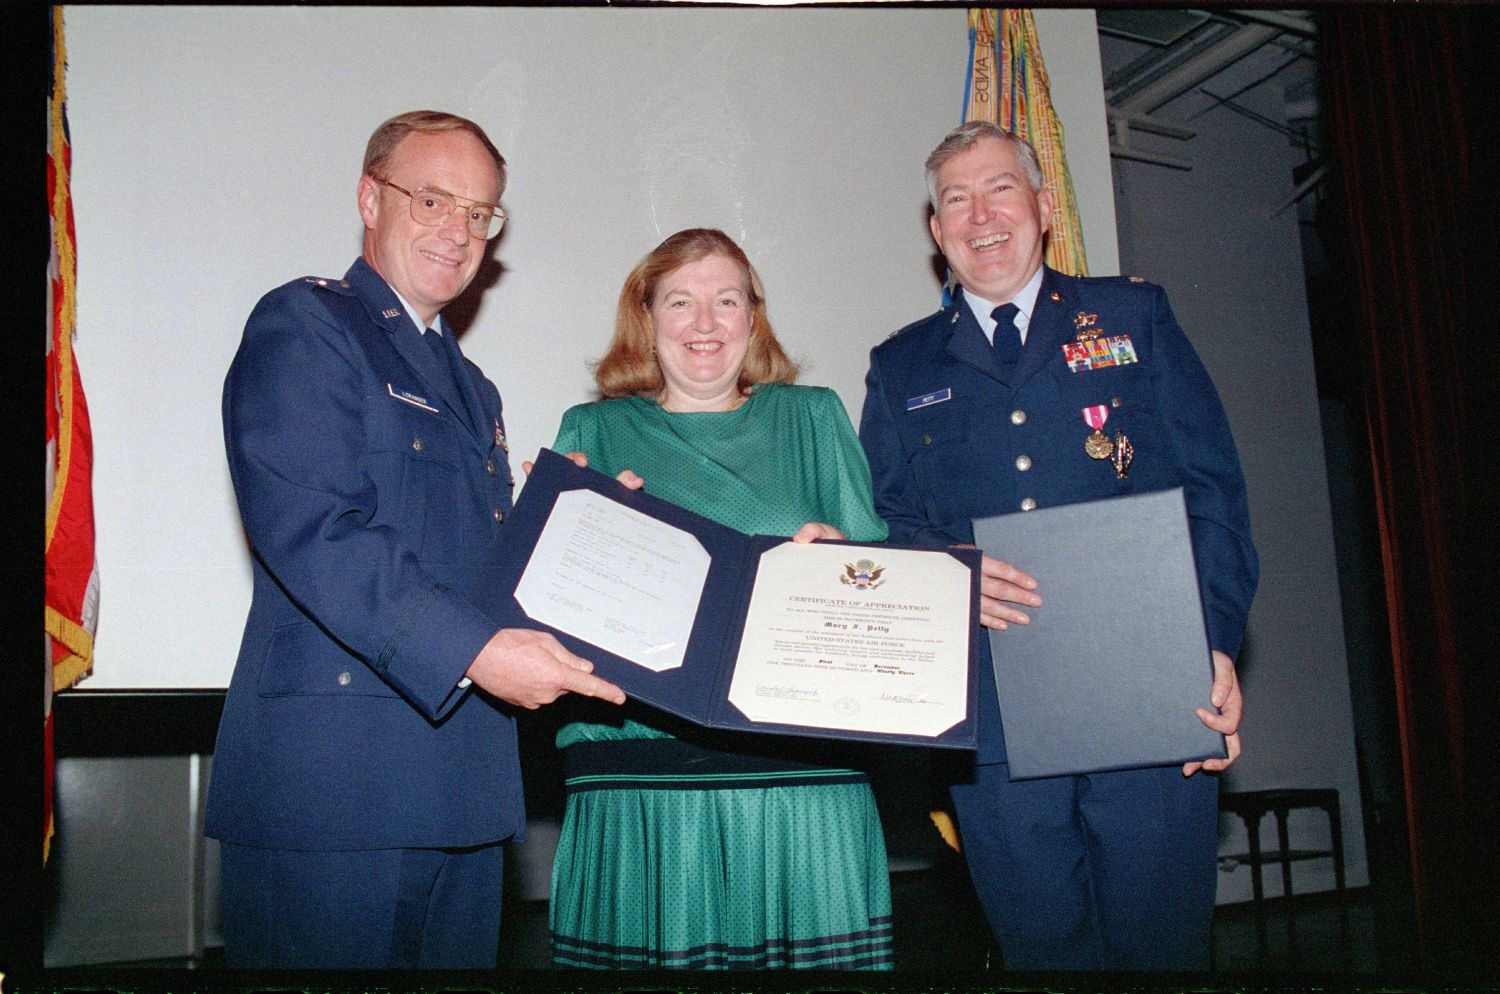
1008,85
72,581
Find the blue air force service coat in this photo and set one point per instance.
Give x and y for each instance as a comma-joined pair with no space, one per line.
950,440
370,494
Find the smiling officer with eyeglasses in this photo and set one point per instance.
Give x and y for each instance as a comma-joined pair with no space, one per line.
366,771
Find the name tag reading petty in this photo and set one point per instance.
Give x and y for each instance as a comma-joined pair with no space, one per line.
928,399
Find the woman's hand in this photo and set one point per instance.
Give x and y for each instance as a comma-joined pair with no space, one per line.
813,531
627,477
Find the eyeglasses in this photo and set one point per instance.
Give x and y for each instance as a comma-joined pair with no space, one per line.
434,207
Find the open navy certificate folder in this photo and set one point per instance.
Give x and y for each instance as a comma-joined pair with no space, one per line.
698,686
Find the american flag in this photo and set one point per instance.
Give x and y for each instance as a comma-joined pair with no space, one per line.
72,582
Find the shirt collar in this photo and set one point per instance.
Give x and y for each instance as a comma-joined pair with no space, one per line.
1025,301
437,325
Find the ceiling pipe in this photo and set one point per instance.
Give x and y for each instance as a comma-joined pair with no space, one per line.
1120,148
1284,20
1302,189
1124,83
1199,68
1140,122
1170,161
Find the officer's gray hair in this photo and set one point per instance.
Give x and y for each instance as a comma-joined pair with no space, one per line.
965,137
386,137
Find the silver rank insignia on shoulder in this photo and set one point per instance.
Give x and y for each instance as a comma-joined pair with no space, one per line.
389,312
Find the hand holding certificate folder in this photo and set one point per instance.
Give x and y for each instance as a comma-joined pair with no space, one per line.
735,631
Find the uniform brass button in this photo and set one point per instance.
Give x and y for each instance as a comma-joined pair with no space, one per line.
489,466
1023,463
344,284
1028,504
1115,402
926,439
499,515
345,679
1018,417
416,443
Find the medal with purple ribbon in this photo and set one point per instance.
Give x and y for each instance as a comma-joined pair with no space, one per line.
1097,445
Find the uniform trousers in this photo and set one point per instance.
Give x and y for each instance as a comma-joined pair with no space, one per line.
1108,871
374,909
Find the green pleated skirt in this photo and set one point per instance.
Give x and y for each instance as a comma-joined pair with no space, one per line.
728,879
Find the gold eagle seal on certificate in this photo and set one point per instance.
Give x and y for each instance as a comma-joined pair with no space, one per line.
862,574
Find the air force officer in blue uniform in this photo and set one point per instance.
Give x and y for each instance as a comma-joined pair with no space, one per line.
988,407
366,769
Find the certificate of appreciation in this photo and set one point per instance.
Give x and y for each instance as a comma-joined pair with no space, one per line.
735,631
841,641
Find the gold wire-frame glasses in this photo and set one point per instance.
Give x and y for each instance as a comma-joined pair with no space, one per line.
434,207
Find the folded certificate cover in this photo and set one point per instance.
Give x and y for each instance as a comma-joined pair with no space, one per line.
1115,662
735,631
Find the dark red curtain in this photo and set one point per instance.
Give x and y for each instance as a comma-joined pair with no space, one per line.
1413,124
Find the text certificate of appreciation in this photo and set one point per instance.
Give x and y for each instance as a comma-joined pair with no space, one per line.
858,638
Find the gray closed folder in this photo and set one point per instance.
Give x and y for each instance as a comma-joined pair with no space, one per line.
1115,662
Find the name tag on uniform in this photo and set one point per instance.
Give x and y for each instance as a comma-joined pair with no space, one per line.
928,399
410,398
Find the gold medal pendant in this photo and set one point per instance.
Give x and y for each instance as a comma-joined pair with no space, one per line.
1098,445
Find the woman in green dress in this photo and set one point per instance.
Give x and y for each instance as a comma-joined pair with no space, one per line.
682,848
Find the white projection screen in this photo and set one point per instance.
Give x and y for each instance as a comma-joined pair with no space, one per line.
215,156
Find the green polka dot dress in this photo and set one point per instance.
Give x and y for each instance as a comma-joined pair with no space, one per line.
696,850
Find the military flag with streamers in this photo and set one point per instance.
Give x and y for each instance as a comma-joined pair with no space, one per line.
72,582
1008,85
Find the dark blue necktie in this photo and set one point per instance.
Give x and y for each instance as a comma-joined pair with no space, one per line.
447,370
1007,341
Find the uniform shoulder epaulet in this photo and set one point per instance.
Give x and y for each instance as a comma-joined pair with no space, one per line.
326,283
1113,280
923,322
